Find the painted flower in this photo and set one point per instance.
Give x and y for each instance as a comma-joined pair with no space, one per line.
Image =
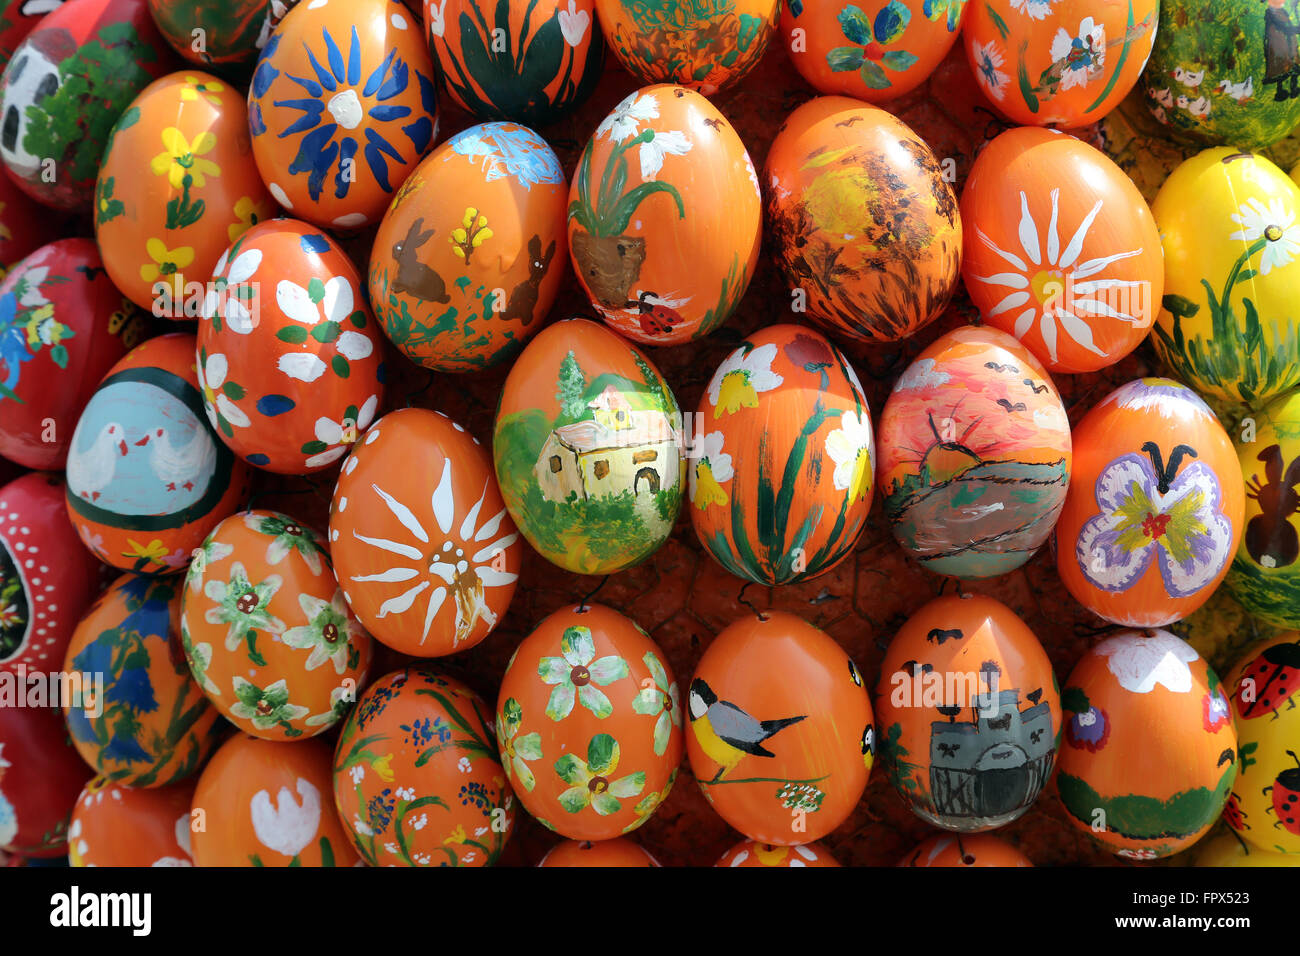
509,151
1151,511
1274,223
10,616
573,24
286,536
988,68
435,14
383,767
660,144
741,377
289,825
210,551
155,552
1141,663
660,698
328,632
577,674
224,414
624,122
1082,56
341,698
338,436
182,158
590,780
166,262
1034,9
651,802
938,9
1088,730
712,469
1050,284
200,658
851,448
242,605
870,36
229,291
1142,853
452,568
264,707
331,299
472,232
1215,714
248,214
208,89
517,750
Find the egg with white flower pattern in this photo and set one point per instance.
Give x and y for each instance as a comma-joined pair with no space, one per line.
783,465
268,634
116,825
291,361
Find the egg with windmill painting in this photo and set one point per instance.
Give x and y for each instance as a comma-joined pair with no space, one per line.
1155,507
462,286
974,455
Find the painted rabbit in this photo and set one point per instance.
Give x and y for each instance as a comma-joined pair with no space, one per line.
523,298
413,276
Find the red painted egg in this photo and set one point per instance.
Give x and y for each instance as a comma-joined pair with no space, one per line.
63,325
291,364
25,225
749,853
41,776
113,825
966,849
619,852
147,477
19,19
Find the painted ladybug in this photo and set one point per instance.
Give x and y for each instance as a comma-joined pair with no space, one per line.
1270,681
654,314
1286,797
1233,815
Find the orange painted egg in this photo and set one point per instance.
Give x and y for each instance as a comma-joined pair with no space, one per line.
342,107
116,825
1059,62
588,450
162,227
268,803
47,579
63,325
781,738
41,777
268,634
970,849
426,554
782,464
1155,506
1061,249
1150,751
417,776
708,46
462,285
147,477
876,51
749,853
589,723
665,217
863,221
215,31
291,363
974,455
140,720
545,60
620,852
969,714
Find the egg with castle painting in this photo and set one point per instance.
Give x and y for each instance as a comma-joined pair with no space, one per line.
588,449
969,714
462,285
974,455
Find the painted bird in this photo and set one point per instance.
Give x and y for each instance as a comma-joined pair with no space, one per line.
726,733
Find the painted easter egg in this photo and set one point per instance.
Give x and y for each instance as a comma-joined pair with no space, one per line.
1230,850
342,107
968,849
417,776
290,361
47,579
161,229
877,51
1061,249
269,803
140,719
783,459
974,455
461,286
267,632
1150,751
749,853
619,852
25,225
116,825
969,714
545,57
212,31
63,325
41,777
863,221
427,554
17,19
1059,62
708,46
1265,574
147,477
589,723
1264,806
1226,71
1228,325
64,89
588,450
1154,510
665,217
781,738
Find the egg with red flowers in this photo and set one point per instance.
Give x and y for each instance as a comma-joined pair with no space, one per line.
41,776
116,825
